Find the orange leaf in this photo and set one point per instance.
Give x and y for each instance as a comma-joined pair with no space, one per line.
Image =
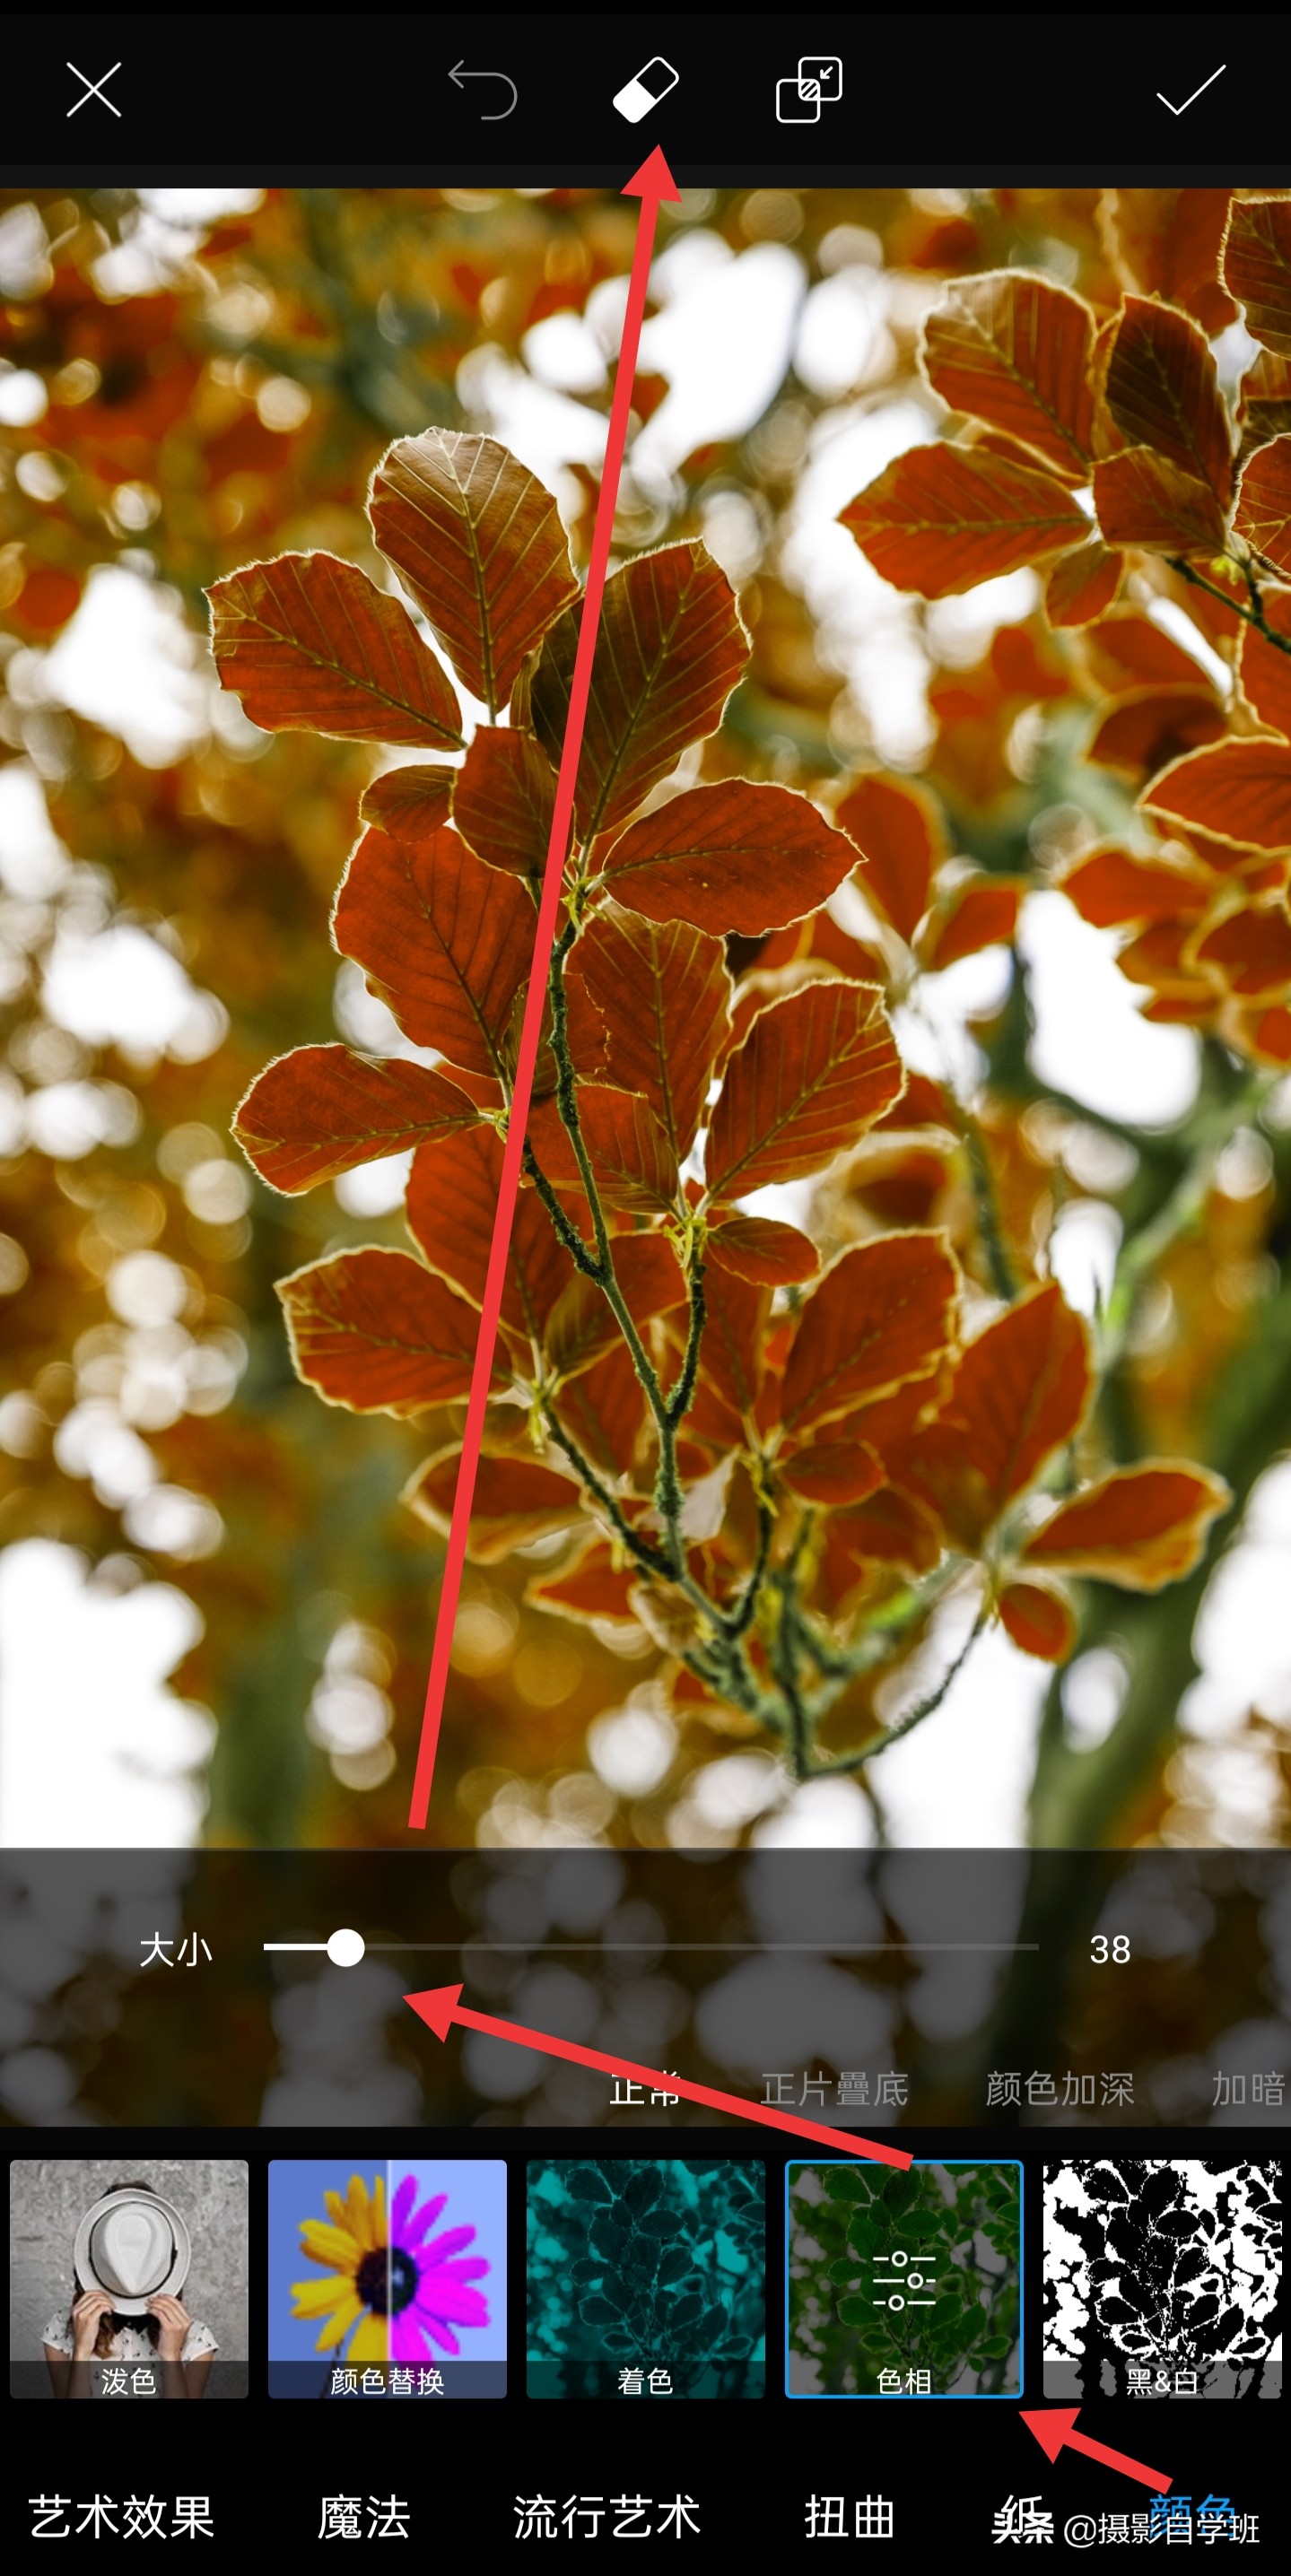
515,1500
323,1110
594,1587
1150,726
1257,267
662,995
880,1317
1167,241
980,912
1144,499
503,800
451,1205
834,1474
409,803
1252,949
310,644
813,1073
49,596
940,519
1083,584
374,1331
761,1249
1264,401
1162,391
669,652
1110,888
1270,1036
1238,791
1263,513
1038,1620
1265,670
730,858
898,828
478,542
1014,350
445,942
1141,1528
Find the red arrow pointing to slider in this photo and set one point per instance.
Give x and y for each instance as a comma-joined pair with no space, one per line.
440,2006
1055,2431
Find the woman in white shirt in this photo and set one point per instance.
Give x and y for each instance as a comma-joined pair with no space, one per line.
157,2348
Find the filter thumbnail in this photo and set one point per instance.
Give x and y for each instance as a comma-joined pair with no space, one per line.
904,2284
646,2279
128,2283
1162,2278
387,2279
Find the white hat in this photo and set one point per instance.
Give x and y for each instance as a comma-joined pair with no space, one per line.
134,2246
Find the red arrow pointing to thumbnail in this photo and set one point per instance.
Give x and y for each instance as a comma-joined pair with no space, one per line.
1055,2430
653,184
440,2006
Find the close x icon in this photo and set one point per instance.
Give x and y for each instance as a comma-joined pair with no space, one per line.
817,83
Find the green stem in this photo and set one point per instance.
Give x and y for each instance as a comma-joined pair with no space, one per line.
1250,616
926,1707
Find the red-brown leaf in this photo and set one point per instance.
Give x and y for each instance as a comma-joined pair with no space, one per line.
1257,267
661,993
323,1110
1112,889
834,1474
1014,350
1252,950
1083,584
503,800
477,540
813,1073
515,1500
899,829
1149,726
446,942
763,1250
1263,513
732,1354
582,1324
594,1587
669,652
1040,1621
634,1164
1141,1528
1264,401
1020,1391
1144,499
376,1332
940,519
879,1318
1126,650
981,912
1240,792
603,1410
409,803
1266,670
730,858
1162,391
1167,241
451,1205
890,1528
311,645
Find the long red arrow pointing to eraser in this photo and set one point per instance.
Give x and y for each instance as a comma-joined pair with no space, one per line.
440,2006
652,184
1055,2431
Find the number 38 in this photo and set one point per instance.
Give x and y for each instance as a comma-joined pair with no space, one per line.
1101,1949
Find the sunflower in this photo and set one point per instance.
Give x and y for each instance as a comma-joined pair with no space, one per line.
355,2291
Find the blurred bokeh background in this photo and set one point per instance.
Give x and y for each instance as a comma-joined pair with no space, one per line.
215,1618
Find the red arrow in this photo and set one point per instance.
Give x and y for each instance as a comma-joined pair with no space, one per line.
652,184
1055,2430
440,2006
